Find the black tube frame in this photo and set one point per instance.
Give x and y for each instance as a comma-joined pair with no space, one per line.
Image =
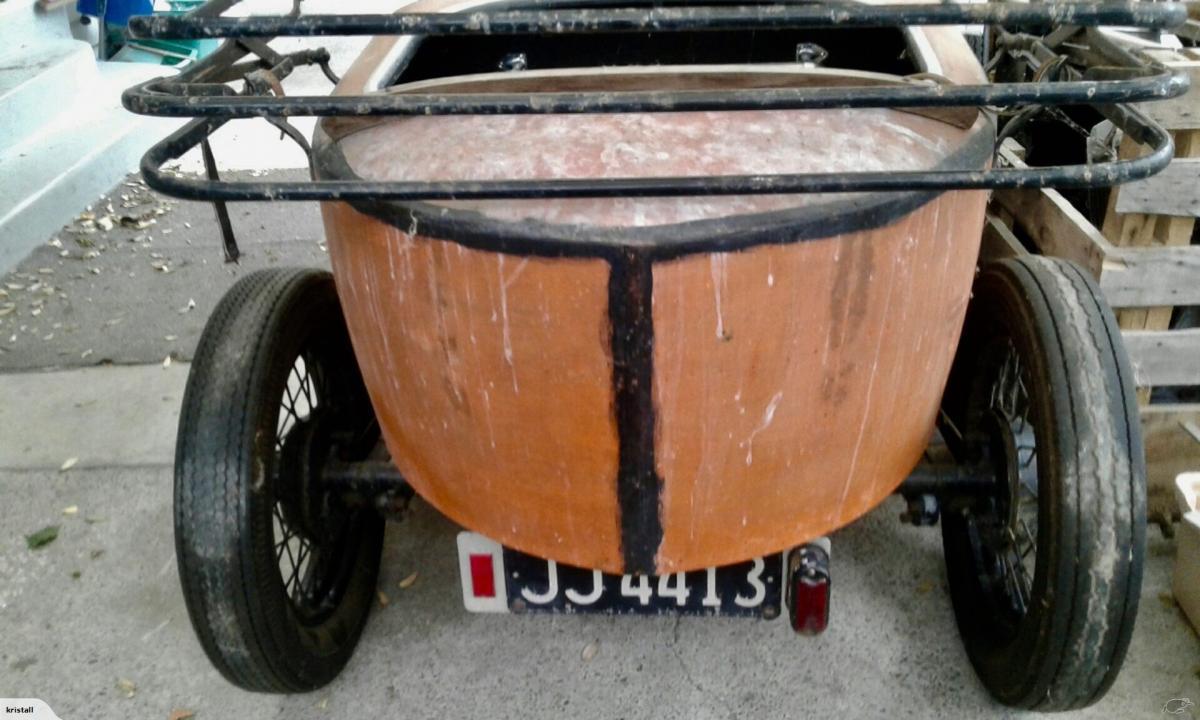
199,92
707,17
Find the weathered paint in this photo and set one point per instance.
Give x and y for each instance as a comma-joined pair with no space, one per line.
492,381
797,385
623,414
648,145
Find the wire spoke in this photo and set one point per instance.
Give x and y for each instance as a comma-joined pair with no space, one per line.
305,551
304,563
1031,541
295,386
291,557
285,543
306,388
1011,549
293,580
303,555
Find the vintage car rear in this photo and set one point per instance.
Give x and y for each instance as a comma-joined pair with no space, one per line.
656,384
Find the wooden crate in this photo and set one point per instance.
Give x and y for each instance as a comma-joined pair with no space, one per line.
1143,261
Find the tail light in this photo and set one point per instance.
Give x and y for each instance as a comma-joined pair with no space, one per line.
808,587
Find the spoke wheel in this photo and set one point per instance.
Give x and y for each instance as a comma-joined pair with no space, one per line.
311,526
1002,526
278,572
1045,568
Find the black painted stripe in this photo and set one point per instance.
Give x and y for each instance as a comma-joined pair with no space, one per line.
639,488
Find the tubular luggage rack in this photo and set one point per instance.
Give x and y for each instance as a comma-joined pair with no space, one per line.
203,92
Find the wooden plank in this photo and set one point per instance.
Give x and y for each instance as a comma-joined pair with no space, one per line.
1129,229
1171,448
1050,220
1174,191
1055,226
1140,229
998,241
1182,413
1183,112
1148,277
1130,277
1164,357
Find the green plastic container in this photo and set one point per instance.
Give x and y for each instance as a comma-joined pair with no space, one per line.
165,52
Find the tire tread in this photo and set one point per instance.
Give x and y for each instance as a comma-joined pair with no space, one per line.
1094,567
225,590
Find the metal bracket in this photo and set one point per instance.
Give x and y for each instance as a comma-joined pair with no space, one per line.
232,253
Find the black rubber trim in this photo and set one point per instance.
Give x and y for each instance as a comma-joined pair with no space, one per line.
858,212
639,488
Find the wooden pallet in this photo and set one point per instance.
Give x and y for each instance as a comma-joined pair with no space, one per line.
1144,265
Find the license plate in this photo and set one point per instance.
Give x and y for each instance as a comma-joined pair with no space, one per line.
499,579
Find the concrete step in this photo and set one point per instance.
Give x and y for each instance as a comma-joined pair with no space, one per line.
80,154
22,25
64,137
36,85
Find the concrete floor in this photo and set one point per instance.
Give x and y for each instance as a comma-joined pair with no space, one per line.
103,297
892,649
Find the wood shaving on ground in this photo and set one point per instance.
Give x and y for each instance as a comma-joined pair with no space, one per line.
127,688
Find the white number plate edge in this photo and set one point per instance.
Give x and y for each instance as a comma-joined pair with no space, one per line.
469,544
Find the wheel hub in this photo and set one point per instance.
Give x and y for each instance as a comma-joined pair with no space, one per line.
306,501
1013,452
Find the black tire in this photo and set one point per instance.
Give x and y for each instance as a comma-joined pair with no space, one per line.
255,422
1047,632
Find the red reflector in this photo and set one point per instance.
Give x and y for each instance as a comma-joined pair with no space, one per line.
483,578
811,605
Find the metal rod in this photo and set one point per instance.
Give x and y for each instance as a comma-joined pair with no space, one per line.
340,471
554,21
168,98
228,239
367,476
925,479
945,479
1062,176
1075,176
